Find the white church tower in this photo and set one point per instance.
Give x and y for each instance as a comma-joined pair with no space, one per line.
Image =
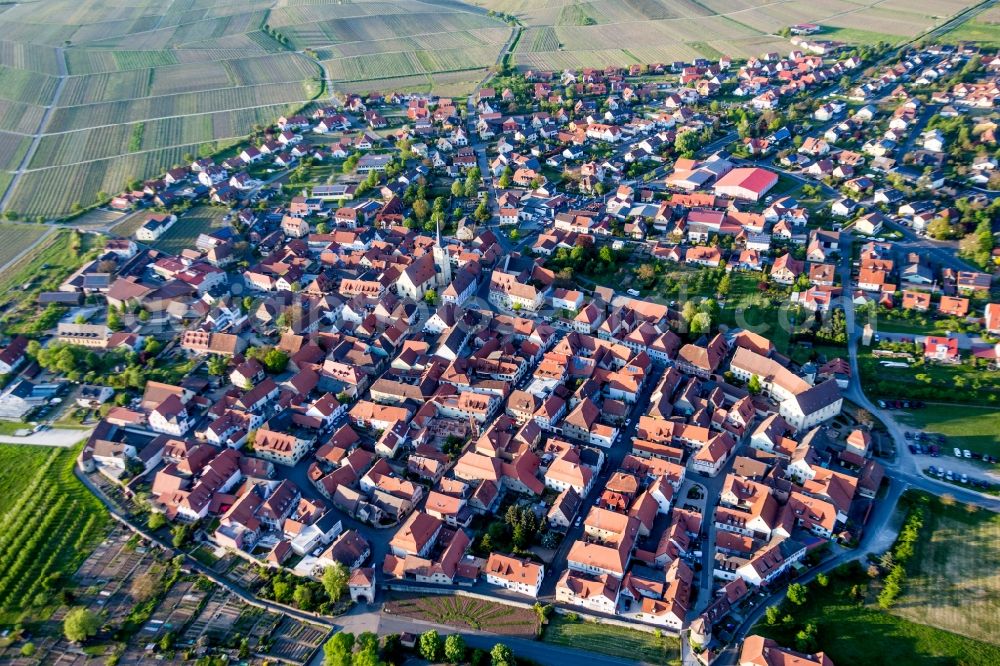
442,261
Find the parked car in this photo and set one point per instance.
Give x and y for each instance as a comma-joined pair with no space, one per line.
965,478
948,475
967,453
913,449
908,435
958,452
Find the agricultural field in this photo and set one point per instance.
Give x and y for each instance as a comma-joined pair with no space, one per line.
16,238
468,613
49,523
133,90
575,33
612,640
12,149
953,581
237,64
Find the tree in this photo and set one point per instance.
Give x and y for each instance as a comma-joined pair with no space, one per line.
275,360
754,385
80,624
335,580
505,178
607,255
456,188
430,296
156,521
822,579
688,311
454,648
724,285
772,615
421,209
646,273
940,228
337,651
180,534
430,645
797,593
282,590
303,597
805,640
367,652
217,365
501,655
701,323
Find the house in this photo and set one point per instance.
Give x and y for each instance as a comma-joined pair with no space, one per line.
416,536
940,348
786,269
760,651
916,300
870,224
154,227
991,318
13,355
594,593
517,575
953,306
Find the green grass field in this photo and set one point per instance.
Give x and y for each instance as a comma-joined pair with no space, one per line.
42,269
185,231
612,640
961,383
850,632
986,35
49,523
954,578
973,428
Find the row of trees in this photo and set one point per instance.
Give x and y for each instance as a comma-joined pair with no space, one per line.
902,551
344,649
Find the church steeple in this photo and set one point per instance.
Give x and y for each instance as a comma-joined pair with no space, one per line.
441,261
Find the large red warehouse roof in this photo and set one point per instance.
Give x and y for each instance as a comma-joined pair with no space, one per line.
754,179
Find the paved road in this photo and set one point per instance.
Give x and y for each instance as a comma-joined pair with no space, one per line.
60,437
906,468
612,462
